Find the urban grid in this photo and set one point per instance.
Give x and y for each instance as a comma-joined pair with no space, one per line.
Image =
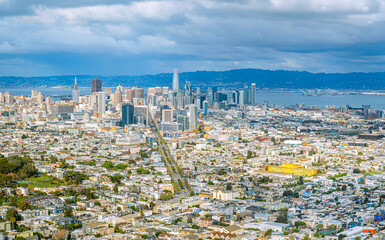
188,163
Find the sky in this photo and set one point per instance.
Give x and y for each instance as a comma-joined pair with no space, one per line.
114,37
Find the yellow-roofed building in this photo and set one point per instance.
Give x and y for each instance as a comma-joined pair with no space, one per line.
294,169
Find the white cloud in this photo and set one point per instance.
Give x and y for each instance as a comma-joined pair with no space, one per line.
290,34
327,6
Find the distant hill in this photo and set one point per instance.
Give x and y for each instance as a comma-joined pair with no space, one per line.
229,79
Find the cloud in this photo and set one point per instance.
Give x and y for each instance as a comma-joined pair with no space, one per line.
313,35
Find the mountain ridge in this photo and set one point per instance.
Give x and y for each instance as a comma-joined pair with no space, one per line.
234,78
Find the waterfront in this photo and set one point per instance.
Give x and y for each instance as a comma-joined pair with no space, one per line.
273,97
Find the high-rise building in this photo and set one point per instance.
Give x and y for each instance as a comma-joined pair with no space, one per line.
75,92
205,107
101,102
167,115
253,95
108,91
116,97
186,122
34,93
241,99
187,88
96,85
158,91
140,114
40,98
246,99
198,103
127,114
175,80
193,111
129,96
165,90
120,88
8,99
180,101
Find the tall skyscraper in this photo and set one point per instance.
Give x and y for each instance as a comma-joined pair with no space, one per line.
127,114
96,85
246,98
40,98
175,80
241,99
108,92
75,92
165,91
253,95
198,103
116,97
205,107
193,111
101,102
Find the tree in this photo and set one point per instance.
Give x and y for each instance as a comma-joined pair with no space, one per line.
287,193
13,221
23,205
121,166
300,181
60,235
194,226
116,189
320,226
281,219
108,165
268,232
343,187
333,227
249,154
68,212
222,172
76,177
299,224
356,170
341,236
12,213
192,194
229,187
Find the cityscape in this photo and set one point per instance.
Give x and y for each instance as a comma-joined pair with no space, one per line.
192,120
182,162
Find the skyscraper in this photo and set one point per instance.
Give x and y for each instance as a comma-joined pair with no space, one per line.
246,97
241,99
193,111
75,92
205,107
101,102
167,115
127,114
96,85
253,93
175,80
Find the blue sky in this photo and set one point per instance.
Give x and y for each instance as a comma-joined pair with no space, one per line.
114,37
